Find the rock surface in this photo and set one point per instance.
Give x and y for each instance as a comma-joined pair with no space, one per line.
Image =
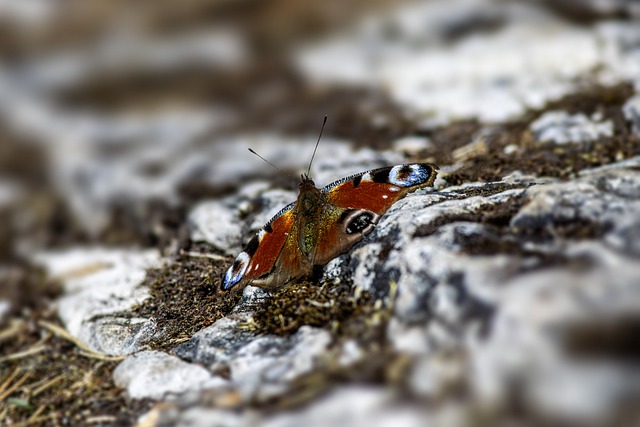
157,375
562,128
99,284
508,294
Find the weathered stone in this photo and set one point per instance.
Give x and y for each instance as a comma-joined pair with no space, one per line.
631,111
218,221
98,283
348,406
216,343
157,375
5,307
528,57
562,128
532,333
257,365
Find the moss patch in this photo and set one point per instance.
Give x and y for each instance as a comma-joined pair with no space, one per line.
184,298
336,307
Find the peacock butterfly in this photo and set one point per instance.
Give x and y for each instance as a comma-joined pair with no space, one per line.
322,224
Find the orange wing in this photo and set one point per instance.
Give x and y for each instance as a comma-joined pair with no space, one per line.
259,255
378,189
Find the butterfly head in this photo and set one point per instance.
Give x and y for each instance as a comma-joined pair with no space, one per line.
306,181
309,198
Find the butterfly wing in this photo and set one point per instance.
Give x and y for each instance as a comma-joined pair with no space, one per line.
351,207
358,201
376,190
259,256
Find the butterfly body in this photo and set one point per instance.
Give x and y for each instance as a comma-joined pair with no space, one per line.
322,224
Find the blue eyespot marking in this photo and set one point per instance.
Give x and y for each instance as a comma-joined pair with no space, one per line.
236,271
408,175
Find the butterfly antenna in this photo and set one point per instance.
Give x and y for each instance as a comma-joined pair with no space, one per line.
324,122
268,162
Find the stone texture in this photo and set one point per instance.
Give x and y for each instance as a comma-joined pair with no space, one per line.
258,366
157,375
5,308
562,128
631,111
531,333
98,283
478,301
517,56
482,305
348,406
218,221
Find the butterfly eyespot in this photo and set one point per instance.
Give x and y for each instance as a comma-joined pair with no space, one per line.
359,223
408,175
236,271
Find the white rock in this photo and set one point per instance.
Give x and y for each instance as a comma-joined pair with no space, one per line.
432,376
5,308
157,375
411,144
215,344
206,417
99,282
562,128
353,406
216,223
262,365
492,76
631,111
536,313
527,58
285,360
351,353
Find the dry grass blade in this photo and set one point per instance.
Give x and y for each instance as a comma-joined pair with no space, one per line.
14,329
37,413
6,393
100,356
100,419
47,385
203,255
9,380
85,270
62,333
36,421
86,351
26,353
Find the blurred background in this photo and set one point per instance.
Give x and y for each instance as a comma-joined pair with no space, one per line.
116,116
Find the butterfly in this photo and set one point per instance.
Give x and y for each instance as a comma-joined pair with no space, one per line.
322,224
